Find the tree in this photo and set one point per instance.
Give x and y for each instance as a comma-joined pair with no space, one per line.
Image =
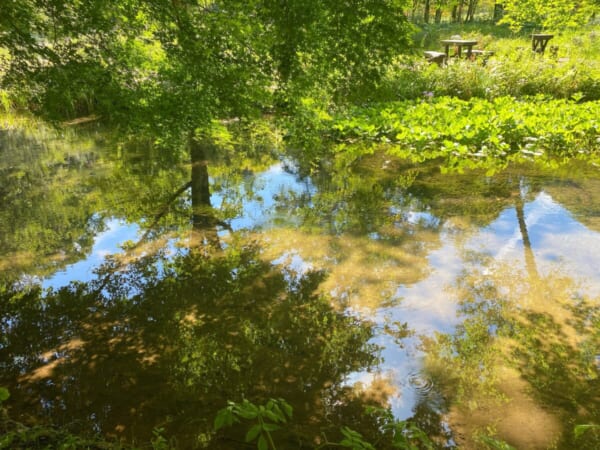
554,15
171,69
187,63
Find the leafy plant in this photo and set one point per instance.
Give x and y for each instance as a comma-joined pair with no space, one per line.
494,444
474,133
267,418
4,395
159,442
580,430
353,440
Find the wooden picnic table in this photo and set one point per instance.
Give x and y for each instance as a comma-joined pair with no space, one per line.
539,42
458,44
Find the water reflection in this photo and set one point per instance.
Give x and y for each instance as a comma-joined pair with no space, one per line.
168,341
463,302
521,361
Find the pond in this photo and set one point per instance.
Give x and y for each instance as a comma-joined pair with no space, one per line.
130,302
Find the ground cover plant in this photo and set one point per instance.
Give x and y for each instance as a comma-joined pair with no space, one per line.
477,132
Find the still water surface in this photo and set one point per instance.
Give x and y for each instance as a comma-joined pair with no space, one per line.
465,303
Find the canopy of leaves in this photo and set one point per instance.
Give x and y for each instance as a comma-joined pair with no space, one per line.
555,15
169,66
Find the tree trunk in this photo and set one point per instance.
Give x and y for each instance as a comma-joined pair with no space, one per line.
471,10
529,256
203,220
438,15
498,11
426,11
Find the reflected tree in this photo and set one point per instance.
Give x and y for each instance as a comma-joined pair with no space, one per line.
166,342
47,219
520,358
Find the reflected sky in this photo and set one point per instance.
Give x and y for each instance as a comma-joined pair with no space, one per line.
269,186
558,241
106,243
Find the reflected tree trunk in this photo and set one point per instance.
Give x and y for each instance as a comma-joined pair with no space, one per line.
204,229
529,256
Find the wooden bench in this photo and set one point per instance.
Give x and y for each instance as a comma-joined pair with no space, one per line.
539,42
435,57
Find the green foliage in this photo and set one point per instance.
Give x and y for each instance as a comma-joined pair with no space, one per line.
276,414
475,133
354,440
570,65
580,430
493,443
542,15
267,418
170,67
4,394
342,47
399,434
5,103
159,442
16,435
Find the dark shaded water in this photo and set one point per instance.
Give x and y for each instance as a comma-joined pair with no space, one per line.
467,304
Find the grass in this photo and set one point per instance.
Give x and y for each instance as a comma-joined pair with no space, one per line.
571,68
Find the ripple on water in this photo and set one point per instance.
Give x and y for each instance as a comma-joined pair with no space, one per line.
420,383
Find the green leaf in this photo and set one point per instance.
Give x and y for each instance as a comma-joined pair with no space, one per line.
6,440
246,410
496,444
224,418
279,413
354,440
287,408
246,414
271,427
580,429
272,416
262,443
253,432
4,394
349,433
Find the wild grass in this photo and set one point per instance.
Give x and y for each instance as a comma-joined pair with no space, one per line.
569,68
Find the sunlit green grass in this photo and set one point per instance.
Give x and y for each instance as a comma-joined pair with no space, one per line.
570,66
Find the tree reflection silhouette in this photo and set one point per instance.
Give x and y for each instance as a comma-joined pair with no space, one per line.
166,342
